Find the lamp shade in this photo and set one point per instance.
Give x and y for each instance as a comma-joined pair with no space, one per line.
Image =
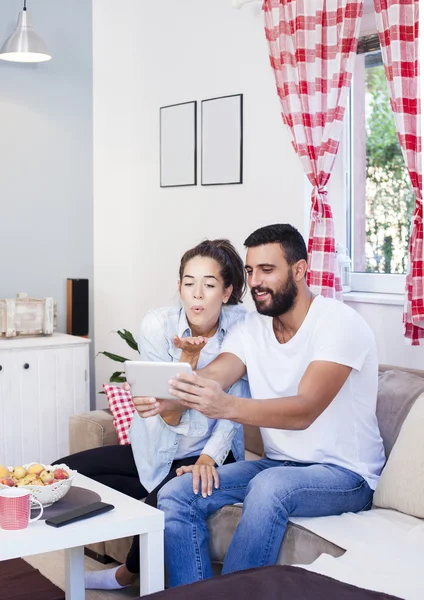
24,45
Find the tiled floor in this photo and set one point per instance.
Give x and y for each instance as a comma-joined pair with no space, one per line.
52,565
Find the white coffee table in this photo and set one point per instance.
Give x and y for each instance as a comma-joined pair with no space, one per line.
130,517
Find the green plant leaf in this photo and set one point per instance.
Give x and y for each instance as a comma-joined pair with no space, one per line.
115,357
117,377
118,373
128,337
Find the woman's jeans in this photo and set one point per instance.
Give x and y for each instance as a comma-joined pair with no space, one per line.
271,492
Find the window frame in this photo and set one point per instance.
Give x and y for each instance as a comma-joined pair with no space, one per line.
382,283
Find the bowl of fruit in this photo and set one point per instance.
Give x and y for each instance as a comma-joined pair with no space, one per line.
46,483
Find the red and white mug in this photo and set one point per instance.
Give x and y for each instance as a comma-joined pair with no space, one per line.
15,508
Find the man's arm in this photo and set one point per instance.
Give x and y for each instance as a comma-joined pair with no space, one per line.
318,387
226,369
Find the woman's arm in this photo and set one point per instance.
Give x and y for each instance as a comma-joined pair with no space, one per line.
214,453
191,348
219,444
190,352
153,346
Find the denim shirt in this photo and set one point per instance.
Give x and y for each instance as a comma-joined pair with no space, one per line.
155,443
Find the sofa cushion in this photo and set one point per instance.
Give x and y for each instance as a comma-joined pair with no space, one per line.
253,440
397,392
401,485
300,546
351,529
122,408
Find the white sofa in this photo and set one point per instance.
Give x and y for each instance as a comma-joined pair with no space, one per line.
306,539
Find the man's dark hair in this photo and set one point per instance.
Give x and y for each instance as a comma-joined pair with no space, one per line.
286,235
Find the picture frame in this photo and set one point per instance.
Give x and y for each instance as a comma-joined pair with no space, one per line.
178,144
222,140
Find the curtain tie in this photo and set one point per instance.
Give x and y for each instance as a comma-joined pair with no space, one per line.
319,200
417,217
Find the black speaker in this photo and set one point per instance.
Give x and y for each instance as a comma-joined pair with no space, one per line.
77,307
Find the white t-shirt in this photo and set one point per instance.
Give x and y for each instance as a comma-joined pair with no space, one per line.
346,433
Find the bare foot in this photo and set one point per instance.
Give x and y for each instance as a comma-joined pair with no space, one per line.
125,577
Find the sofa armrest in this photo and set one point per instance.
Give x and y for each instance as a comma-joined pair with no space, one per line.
91,430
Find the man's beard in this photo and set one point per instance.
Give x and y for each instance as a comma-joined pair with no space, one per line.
282,301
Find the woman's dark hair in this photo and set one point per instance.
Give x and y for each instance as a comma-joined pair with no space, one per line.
231,265
287,236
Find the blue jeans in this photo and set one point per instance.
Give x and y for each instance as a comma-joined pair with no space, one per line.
271,492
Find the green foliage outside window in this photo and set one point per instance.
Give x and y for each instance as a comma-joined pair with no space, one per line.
390,198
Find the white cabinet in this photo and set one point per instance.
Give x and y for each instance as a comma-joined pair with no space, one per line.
43,381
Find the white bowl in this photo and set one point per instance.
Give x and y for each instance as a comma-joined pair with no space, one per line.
48,494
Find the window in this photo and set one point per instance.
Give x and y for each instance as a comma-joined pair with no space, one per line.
381,199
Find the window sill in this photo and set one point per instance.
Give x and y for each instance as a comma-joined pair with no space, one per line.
374,298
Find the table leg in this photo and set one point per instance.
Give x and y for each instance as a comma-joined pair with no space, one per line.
74,573
151,562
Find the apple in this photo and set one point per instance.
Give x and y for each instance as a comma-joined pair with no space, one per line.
26,480
37,481
4,471
19,472
61,474
7,481
47,477
35,468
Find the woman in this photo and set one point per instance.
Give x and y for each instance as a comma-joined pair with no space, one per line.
168,441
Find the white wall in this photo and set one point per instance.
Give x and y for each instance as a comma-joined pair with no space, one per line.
151,54
386,322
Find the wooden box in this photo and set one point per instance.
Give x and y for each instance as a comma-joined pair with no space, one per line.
27,316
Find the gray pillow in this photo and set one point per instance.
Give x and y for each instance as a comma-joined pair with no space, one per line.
397,392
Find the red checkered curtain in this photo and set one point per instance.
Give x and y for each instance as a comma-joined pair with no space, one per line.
312,48
397,24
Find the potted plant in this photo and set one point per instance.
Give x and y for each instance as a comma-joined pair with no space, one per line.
119,376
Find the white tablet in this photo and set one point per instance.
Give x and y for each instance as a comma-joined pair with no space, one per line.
151,378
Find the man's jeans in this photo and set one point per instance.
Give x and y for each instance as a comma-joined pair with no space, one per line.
271,492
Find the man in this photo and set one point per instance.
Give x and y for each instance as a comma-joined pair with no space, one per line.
312,369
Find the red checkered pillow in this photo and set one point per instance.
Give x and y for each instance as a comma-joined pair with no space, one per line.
122,408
